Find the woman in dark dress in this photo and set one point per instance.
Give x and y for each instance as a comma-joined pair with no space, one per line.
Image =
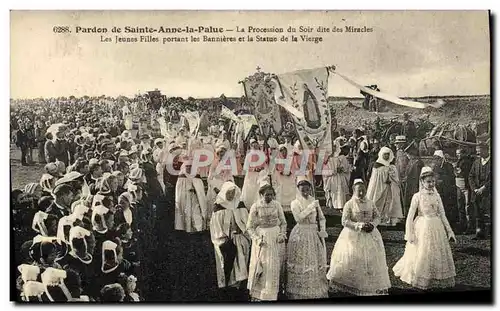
80,258
110,264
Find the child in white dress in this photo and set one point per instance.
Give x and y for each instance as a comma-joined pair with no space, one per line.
358,265
427,262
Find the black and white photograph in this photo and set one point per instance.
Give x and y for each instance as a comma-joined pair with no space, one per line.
250,156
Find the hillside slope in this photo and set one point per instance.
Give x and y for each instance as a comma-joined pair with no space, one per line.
457,110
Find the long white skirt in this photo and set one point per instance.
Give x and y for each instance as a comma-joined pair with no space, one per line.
265,265
336,189
240,268
188,214
306,264
250,189
427,263
286,190
358,265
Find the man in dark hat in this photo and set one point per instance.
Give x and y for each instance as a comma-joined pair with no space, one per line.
408,127
62,203
401,157
480,184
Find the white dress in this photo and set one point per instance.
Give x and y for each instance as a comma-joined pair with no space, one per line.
428,261
384,190
250,189
336,185
358,265
190,205
285,189
267,222
306,253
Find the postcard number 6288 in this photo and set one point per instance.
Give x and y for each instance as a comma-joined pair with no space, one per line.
61,29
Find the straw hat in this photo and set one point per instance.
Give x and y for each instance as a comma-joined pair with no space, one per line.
400,139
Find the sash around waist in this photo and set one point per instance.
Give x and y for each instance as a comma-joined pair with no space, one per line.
267,226
429,216
312,226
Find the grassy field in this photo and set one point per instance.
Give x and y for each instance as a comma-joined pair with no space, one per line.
472,258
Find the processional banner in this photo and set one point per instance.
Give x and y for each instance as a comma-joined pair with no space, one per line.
306,93
228,114
193,120
247,121
260,89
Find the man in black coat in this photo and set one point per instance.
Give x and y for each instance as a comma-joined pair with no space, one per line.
22,141
462,170
411,185
480,184
61,206
408,127
61,148
445,185
40,132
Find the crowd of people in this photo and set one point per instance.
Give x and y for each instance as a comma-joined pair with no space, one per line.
123,217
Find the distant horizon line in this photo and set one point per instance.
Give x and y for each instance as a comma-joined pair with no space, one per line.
237,97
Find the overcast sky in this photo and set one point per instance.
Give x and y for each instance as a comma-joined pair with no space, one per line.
408,53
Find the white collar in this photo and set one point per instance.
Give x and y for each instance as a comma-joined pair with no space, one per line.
110,269
75,255
101,231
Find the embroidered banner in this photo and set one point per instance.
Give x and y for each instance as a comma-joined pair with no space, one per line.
247,121
306,93
163,126
193,120
260,89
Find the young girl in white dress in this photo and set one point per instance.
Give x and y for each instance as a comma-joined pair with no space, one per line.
427,261
266,226
306,260
358,265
